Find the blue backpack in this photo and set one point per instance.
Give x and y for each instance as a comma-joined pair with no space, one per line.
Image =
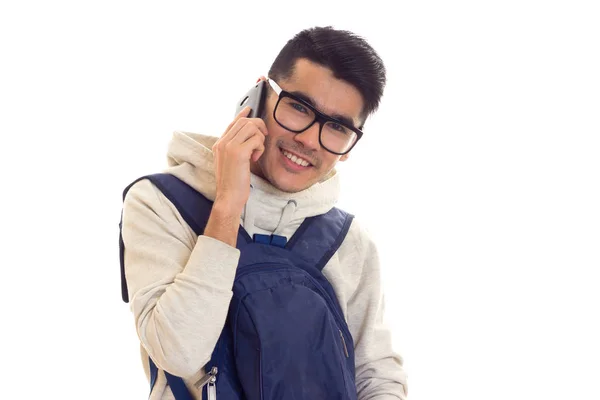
285,336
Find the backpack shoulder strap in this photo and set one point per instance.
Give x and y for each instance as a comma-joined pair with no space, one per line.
319,237
177,385
193,207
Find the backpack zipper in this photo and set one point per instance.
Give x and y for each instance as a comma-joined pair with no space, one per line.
209,379
344,343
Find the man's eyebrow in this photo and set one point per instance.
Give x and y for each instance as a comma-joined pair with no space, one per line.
342,118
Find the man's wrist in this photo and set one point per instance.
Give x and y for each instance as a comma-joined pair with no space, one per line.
227,210
223,223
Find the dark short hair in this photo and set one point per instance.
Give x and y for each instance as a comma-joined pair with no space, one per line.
346,54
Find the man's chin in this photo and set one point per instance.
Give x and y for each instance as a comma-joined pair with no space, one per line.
288,188
289,185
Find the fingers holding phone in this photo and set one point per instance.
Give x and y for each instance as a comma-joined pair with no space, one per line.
242,142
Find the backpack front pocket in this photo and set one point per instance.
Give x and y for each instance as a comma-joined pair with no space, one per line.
289,343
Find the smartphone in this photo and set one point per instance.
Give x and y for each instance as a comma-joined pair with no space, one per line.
255,98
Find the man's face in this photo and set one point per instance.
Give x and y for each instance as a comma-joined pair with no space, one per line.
329,95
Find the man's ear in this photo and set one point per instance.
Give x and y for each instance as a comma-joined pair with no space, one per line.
262,78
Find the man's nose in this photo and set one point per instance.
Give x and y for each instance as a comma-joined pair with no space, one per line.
310,137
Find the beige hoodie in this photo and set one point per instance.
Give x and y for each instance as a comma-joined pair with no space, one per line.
180,283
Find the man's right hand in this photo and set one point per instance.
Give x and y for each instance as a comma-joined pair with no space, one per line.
242,141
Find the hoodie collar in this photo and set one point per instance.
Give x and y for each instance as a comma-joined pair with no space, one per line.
190,158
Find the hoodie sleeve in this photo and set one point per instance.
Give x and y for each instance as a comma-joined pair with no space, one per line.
379,371
180,286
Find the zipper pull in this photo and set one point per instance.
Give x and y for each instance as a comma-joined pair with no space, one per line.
344,343
211,390
209,379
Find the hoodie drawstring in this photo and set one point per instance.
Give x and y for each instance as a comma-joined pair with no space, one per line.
286,216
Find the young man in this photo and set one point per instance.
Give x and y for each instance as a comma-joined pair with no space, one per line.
267,175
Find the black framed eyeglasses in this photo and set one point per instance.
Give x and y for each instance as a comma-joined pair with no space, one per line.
296,115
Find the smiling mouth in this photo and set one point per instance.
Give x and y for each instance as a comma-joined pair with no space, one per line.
301,162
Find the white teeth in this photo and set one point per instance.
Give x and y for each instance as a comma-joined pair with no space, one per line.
295,159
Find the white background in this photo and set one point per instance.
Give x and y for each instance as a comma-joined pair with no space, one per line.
479,178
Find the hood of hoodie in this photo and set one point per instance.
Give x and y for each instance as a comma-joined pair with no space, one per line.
269,209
